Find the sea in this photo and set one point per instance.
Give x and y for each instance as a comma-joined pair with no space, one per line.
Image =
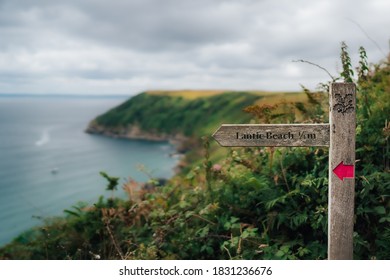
48,163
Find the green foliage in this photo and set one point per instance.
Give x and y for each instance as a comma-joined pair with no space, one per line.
111,186
255,203
172,115
347,72
112,181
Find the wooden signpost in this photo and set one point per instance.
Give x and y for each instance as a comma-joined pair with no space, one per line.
342,118
339,135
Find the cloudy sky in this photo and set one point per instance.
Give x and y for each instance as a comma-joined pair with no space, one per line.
126,46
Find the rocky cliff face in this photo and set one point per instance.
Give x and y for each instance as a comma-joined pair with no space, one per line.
135,132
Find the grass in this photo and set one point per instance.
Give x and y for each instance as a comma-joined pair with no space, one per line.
268,97
274,98
188,94
193,94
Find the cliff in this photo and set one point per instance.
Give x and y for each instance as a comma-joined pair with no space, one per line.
171,117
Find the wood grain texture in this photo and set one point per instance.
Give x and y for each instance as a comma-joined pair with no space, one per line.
342,116
276,135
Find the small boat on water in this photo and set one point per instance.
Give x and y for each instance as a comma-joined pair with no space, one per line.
54,170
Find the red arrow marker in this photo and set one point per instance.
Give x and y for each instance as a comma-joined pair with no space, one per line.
344,171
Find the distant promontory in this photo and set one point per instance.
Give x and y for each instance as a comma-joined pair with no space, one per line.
174,116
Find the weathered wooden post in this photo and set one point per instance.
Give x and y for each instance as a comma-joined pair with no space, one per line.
339,135
342,118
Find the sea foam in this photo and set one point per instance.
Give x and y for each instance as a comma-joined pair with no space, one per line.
45,138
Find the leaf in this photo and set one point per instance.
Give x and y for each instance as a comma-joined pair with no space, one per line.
183,204
303,251
72,213
189,214
384,219
232,223
112,181
203,232
299,219
380,210
190,175
285,248
245,234
280,254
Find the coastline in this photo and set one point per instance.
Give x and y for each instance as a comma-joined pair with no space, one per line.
134,132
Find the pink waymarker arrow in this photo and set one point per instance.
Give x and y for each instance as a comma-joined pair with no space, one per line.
344,171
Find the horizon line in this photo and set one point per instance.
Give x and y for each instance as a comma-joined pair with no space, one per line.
62,95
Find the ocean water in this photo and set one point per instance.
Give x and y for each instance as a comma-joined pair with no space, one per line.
48,163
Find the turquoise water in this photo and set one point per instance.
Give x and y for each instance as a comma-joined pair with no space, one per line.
48,163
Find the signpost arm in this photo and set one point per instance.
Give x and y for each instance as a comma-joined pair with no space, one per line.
342,117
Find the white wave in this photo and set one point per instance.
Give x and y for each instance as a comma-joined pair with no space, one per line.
45,138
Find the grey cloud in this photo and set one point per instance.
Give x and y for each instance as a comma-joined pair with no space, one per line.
143,25
91,44
163,26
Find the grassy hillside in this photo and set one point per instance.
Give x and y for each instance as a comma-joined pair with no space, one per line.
191,113
177,115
